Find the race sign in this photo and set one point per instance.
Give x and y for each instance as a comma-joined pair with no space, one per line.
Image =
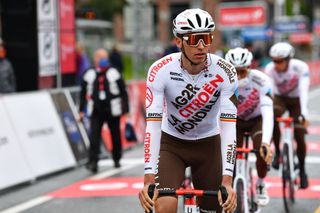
48,52
47,37
244,14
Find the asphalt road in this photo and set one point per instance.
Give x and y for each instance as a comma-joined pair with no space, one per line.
115,190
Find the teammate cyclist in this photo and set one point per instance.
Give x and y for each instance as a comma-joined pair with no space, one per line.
191,118
255,113
291,84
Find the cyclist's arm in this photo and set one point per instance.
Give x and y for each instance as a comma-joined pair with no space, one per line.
304,83
154,109
228,119
266,103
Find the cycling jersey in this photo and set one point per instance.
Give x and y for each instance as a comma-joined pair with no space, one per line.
190,108
255,99
293,83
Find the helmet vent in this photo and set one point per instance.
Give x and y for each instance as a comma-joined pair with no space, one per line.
211,26
198,20
242,55
191,24
207,22
186,28
232,55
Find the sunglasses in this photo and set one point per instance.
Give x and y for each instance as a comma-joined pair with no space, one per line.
278,61
194,39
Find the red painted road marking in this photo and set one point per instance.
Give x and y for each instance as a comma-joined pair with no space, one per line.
122,186
130,186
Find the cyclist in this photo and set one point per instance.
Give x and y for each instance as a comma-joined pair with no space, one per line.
255,112
291,81
188,93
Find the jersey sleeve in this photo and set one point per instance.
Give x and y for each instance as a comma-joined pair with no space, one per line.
228,117
304,83
154,109
266,103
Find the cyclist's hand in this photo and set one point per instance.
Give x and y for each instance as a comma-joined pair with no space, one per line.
267,157
81,116
146,202
306,124
231,203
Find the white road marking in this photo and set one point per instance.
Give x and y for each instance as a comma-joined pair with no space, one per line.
126,165
28,204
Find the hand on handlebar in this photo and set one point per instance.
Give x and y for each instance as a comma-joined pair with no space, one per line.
146,202
231,203
266,153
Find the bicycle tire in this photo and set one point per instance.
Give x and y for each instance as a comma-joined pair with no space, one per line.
240,197
252,203
287,183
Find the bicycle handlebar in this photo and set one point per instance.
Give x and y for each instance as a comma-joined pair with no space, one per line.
189,192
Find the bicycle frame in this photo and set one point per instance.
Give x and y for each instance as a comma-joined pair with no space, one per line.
242,174
287,139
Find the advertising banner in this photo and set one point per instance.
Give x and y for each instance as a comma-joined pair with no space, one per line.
47,37
41,135
294,24
67,52
70,125
14,168
242,14
67,36
48,52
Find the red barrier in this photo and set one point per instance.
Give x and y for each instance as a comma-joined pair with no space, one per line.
137,93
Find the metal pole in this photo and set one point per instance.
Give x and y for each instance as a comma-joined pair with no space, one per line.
279,11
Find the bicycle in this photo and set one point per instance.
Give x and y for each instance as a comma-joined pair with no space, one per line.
189,195
289,170
243,181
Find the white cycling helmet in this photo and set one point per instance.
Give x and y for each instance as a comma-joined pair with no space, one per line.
239,57
192,21
281,50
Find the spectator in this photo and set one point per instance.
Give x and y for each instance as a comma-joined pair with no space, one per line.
7,76
116,59
83,63
104,94
172,48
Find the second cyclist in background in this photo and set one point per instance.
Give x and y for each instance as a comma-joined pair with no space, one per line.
255,113
291,84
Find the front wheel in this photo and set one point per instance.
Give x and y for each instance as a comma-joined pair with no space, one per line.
287,183
240,197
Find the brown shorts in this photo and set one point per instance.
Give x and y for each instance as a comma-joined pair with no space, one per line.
204,158
254,127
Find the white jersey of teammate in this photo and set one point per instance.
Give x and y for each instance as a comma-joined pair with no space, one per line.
190,106
255,99
292,83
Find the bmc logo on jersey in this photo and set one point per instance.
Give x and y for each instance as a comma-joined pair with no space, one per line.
155,69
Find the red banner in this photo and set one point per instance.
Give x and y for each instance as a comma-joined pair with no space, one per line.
67,37
66,11
242,16
67,52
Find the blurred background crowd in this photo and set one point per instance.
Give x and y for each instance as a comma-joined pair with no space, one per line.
51,43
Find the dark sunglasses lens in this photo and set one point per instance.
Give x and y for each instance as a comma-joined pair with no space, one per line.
194,39
278,61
